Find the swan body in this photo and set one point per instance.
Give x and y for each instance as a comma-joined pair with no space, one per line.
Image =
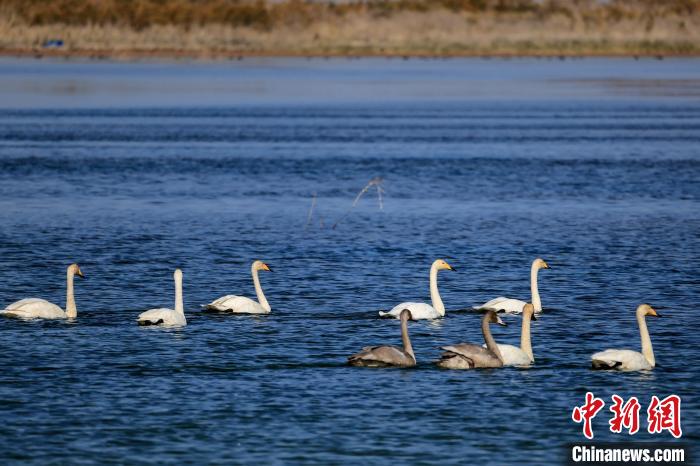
167,317
507,305
237,304
241,304
423,310
386,356
469,355
515,306
514,356
520,356
623,360
35,308
628,360
162,316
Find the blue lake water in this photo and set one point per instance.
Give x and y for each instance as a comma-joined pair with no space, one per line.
133,169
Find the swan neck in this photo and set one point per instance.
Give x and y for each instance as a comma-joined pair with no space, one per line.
434,293
258,290
71,310
179,306
525,343
647,349
407,347
488,338
533,289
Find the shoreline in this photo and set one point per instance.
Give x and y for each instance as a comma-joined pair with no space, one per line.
224,30
232,55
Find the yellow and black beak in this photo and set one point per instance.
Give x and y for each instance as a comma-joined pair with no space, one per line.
80,273
266,268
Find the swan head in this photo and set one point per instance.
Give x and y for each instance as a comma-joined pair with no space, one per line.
647,310
443,265
177,275
74,269
492,318
529,310
406,315
540,264
260,265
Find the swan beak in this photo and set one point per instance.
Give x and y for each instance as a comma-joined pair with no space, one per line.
267,268
80,273
534,317
500,322
546,265
449,267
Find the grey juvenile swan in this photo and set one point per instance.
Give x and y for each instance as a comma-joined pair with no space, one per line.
469,355
385,356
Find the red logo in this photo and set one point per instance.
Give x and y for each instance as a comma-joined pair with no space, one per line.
665,415
587,412
626,415
661,415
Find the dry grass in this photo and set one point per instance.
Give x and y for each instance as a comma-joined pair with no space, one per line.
219,28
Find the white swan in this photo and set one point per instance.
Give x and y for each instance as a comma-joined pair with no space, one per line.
167,317
241,304
515,306
35,308
423,310
628,360
514,356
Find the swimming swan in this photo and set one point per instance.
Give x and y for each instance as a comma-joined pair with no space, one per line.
628,360
515,306
469,355
423,310
384,356
35,308
167,317
514,356
241,304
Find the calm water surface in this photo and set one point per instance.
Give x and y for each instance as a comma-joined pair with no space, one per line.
134,169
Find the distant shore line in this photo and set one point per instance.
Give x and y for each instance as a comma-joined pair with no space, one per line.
229,30
167,54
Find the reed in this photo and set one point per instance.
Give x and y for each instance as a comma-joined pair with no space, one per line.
227,28
375,183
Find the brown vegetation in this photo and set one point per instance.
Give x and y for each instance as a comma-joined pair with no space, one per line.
398,27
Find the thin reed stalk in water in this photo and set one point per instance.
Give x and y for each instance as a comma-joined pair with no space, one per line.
375,182
311,212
